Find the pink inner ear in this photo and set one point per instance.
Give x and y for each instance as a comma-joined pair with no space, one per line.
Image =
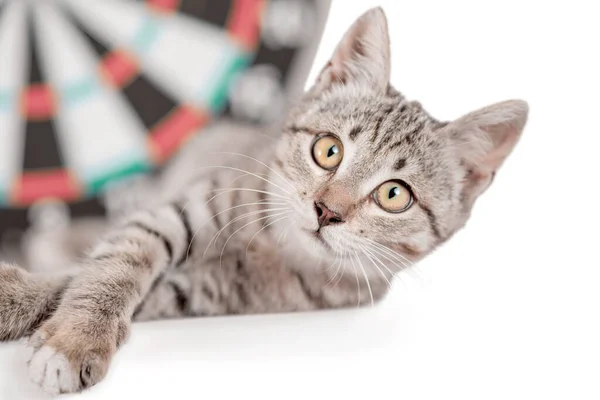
487,136
504,138
361,57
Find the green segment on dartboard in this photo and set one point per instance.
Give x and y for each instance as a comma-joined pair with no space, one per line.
95,186
221,91
5,101
79,91
146,36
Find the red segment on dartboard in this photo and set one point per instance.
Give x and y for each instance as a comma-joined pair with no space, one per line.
119,68
244,22
38,102
164,5
168,135
35,186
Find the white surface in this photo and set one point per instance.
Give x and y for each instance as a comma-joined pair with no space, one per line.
507,310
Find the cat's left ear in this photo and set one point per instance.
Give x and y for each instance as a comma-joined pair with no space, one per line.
484,139
362,57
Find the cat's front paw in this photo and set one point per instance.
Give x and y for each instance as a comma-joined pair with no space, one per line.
68,356
16,301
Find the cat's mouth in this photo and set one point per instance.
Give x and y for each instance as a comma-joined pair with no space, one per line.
318,236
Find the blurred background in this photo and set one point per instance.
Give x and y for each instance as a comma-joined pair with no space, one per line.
97,95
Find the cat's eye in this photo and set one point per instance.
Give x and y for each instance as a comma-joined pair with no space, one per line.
393,196
328,152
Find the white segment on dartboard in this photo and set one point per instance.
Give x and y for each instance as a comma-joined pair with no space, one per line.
97,128
181,55
13,77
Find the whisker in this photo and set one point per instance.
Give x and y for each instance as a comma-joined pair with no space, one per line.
284,231
229,190
341,269
246,225
245,175
372,258
338,260
259,203
366,278
357,280
247,172
248,214
392,252
265,226
396,263
263,164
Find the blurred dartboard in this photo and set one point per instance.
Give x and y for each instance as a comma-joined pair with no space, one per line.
94,91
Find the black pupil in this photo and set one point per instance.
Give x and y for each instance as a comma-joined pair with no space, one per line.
333,150
395,191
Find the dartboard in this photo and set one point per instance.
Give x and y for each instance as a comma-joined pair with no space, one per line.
96,91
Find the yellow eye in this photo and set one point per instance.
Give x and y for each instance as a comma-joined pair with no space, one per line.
393,196
328,152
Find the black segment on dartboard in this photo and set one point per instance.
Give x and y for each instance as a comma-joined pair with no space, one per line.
149,102
35,73
214,12
211,11
86,208
98,47
42,150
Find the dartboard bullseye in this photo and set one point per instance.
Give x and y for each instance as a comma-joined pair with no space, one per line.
96,91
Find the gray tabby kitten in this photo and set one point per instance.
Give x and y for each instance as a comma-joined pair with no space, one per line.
361,184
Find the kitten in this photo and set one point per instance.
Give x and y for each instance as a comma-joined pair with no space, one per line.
361,184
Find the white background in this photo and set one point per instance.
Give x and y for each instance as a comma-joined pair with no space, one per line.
509,309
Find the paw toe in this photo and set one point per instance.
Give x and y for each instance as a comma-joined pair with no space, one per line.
53,372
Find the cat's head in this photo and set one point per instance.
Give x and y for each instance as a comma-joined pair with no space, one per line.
371,171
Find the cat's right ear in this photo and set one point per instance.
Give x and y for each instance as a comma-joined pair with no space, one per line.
362,57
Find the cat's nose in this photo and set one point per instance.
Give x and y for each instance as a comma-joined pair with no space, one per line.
325,216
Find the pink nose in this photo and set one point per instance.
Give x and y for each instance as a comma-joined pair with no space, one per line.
325,216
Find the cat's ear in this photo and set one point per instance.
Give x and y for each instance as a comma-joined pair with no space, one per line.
484,139
362,57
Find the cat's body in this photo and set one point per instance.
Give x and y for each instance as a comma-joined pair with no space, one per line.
361,184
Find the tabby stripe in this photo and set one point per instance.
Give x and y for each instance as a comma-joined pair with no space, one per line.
302,129
235,201
208,292
50,307
157,281
354,132
181,298
212,204
432,220
242,296
315,299
399,164
380,120
239,287
188,234
166,242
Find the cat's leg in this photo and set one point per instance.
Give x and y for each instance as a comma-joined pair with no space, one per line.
72,350
27,300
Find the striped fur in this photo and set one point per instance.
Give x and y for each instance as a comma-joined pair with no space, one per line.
230,227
